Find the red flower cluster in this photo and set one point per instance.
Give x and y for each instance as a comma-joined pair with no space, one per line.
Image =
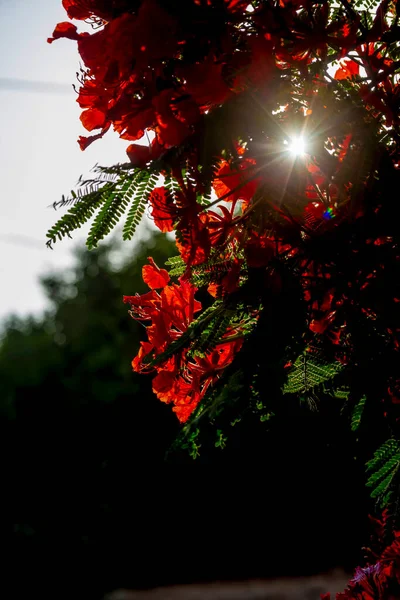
216,85
142,72
159,69
376,581
179,380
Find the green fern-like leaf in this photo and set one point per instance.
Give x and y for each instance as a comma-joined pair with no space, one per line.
201,274
212,333
308,372
147,183
77,215
383,486
206,273
110,194
357,414
92,185
342,392
384,453
177,266
171,185
384,470
113,208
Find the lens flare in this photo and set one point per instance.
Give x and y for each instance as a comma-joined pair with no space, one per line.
296,146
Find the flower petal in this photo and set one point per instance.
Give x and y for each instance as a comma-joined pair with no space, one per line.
65,30
154,276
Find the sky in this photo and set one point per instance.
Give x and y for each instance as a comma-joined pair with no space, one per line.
39,156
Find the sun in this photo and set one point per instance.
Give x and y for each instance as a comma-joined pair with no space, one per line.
296,145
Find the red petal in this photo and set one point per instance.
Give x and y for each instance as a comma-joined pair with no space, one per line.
347,70
138,154
183,411
132,127
84,142
164,211
75,10
204,82
93,119
163,385
64,30
214,289
144,350
236,5
154,276
179,304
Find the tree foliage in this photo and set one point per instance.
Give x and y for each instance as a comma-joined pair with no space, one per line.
274,148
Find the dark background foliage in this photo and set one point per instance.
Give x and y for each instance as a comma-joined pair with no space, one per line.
93,499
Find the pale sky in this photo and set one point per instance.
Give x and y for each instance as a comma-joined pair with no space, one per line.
39,155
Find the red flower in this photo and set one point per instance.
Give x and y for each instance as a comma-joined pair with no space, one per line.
84,142
347,70
154,276
237,183
170,130
93,119
169,387
78,9
195,245
204,82
260,67
169,312
220,225
84,9
66,30
164,211
212,364
140,155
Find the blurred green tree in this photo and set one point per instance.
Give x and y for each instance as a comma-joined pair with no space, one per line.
75,358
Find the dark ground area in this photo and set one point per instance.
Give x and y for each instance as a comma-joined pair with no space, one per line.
304,588
133,522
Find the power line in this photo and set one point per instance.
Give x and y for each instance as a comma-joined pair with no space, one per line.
22,240
40,87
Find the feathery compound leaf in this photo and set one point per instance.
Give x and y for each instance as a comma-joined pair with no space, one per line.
342,392
384,453
308,372
92,185
111,192
177,264
383,487
357,414
148,182
114,207
385,469
212,333
77,215
171,185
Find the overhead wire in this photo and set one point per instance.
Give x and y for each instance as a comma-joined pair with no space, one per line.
26,85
